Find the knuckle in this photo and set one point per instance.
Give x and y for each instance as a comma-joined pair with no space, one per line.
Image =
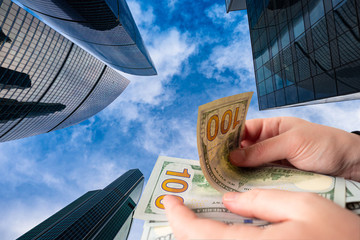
297,144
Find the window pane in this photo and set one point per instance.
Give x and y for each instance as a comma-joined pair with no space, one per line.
280,97
262,90
291,95
285,39
269,85
274,48
278,81
325,86
298,26
306,90
316,8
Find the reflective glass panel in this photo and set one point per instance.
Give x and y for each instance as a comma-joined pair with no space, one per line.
316,8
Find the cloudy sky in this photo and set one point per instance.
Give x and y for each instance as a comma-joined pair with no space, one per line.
201,54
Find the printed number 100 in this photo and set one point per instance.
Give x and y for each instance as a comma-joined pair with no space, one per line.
168,186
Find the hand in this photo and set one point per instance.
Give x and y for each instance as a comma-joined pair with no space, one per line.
294,216
305,145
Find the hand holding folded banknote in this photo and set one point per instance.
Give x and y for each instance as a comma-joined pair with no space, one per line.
297,215
305,145
244,167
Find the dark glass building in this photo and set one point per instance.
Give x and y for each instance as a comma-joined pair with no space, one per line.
104,28
99,214
304,51
46,81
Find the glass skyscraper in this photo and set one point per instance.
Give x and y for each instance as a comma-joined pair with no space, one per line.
304,51
47,82
98,214
104,28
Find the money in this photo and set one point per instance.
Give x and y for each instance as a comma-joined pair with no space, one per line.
157,231
200,184
353,196
352,191
354,207
184,179
219,130
219,127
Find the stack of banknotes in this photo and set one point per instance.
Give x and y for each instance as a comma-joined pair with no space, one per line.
201,184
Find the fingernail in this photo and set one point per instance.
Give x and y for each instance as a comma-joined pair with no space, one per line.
230,196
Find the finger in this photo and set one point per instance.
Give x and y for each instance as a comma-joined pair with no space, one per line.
269,204
257,130
269,150
260,129
186,225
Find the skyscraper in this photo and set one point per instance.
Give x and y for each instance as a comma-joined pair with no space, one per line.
48,82
98,214
304,51
104,28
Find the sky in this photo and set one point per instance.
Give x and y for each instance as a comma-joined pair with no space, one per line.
201,53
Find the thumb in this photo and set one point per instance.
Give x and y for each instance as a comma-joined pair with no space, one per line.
269,204
269,150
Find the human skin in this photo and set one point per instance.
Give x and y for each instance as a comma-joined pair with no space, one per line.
305,145
294,216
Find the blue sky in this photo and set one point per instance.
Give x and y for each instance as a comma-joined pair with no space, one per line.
201,54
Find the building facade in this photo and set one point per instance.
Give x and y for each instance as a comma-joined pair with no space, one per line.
46,81
104,28
304,51
98,214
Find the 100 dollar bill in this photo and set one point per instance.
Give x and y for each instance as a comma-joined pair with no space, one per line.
219,130
185,180
157,231
162,231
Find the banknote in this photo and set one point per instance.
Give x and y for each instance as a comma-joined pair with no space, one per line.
354,207
184,179
353,196
220,125
157,231
219,130
352,191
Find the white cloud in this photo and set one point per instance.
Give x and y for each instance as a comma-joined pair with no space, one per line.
217,13
343,115
70,175
171,4
17,160
82,134
169,50
234,56
62,181
98,171
142,17
19,216
174,137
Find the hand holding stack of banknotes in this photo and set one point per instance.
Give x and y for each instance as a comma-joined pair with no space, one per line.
201,184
